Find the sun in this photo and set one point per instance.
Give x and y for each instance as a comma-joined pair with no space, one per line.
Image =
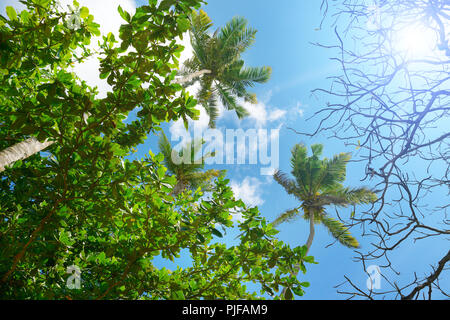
415,41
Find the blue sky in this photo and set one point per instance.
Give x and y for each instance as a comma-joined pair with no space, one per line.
285,32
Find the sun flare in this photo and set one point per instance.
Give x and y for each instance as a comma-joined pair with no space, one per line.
415,41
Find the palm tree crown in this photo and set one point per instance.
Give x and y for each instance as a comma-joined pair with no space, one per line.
217,64
189,174
318,184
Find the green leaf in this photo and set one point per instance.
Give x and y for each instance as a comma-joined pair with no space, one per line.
288,294
216,232
200,237
93,28
183,24
178,295
298,291
304,284
166,4
84,12
25,16
101,257
11,12
64,237
161,172
125,15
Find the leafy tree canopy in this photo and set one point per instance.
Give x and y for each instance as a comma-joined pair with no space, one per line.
80,203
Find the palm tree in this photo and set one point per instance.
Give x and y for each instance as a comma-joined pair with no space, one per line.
189,173
318,184
218,66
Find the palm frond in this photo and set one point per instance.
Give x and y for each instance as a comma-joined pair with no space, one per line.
286,216
200,39
166,149
241,112
230,34
248,76
243,40
300,169
351,196
234,47
288,184
317,150
208,99
239,90
339,231
200,22
189,66
212,111
334,171
206,90
227,98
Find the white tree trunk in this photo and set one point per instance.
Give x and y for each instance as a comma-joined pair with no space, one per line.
308,245
21,150
191,76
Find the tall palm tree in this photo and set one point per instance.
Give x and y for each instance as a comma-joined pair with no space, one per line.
317,184
218,66
189,174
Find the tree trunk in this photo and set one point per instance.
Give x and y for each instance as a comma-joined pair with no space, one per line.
21,150
178,188
191,76
308,245
311,234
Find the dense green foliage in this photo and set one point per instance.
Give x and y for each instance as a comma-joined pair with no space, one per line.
80,203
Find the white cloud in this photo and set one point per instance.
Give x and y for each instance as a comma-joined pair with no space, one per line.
188,51
298,110
265,98
248,190
263,114
276,114
110,20
258,112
